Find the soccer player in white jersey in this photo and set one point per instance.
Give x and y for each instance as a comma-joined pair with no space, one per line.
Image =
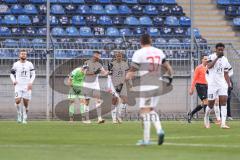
118,69
218,83
22,76
150,57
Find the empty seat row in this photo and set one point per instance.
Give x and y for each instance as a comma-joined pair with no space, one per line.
113,31
113,9
5,31
23,9
228,2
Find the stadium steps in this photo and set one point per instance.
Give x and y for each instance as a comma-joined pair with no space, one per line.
211,21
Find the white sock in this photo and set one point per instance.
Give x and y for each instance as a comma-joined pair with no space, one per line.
18,109
119,110
156,121
217,112
146,127
206,117
224,115
86,112
24,113
99,110
114,113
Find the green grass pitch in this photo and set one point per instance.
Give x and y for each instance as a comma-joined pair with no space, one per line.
58,140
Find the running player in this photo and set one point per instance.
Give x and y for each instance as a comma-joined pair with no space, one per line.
22,76
75,81
151,57
117,69
91,83
218,83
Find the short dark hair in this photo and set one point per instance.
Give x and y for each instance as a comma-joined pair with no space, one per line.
146,39
220,45
203,55
97,52
22,50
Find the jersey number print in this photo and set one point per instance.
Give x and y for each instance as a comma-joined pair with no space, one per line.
154,62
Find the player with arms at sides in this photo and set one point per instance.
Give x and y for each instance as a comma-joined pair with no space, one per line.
75,82
91,83
118,69
22,76
218,83
150,57
200,82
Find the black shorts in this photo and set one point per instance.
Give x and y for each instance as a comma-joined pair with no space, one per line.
202,90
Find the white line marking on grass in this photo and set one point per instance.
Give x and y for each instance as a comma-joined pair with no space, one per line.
203,145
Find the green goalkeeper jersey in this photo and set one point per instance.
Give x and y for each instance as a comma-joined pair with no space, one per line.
77,76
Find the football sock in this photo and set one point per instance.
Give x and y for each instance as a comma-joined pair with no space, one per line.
146,127
114,113
217,112
156,121
195,110
206,117
71,110
224,114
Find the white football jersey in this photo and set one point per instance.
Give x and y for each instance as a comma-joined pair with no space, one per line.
148,59
215,75
23,72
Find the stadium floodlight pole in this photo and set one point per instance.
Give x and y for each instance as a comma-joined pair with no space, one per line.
48,60
192,49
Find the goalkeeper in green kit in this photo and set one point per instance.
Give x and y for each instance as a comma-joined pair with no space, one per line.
75,81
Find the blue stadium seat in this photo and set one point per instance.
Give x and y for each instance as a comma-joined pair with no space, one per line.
30,9
99,31
158,20
4,31
236,22
97,9
91,1
111,9
54,20
130,1
85,31
64,1
78,20
72,31
11,1
104,1
17,9
58,31
176,10
157,1
195,31
145,21
169,1
150,9
179,31
223,2
24,42
83,9
78,1
10,20
42,9
57,9
4,9
70,9
24,20
164,10
185,21
37,1
64,20
172,21
112,32
31,31
105,20
117,20
37,20
53,1
124,9
144,1
137,9
91,20
132,21
10,43
153,31
138,31
42,31
17,32
117,1
36,41
125,32
166,31
235,2
160,41
232,11
118,40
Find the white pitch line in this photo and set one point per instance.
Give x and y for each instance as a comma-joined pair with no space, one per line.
203,145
